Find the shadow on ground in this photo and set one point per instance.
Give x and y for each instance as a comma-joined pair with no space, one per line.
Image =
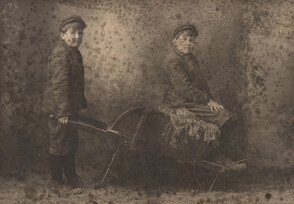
151,179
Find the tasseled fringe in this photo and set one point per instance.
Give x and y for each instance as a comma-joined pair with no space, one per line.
183,122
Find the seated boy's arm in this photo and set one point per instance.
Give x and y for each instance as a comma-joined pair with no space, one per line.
60,84
182,84
214,106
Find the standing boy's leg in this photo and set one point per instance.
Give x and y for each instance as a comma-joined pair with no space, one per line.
55,156
70,172
63,144
56,168
71,141
69,167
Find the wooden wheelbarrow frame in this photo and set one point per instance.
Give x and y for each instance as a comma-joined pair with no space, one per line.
102,131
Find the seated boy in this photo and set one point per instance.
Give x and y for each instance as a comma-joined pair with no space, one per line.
187,87
64,97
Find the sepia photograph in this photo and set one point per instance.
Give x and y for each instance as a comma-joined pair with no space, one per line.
147,101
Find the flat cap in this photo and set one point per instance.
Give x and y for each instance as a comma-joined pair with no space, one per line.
186,27
71,19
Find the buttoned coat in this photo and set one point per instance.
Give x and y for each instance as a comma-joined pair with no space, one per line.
187,87
64,92
64,96
186,82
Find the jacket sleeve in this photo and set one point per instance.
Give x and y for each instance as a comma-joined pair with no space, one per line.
182,84
60,84
208,93
84,103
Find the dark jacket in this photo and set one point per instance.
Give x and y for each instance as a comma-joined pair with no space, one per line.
186,83
64,92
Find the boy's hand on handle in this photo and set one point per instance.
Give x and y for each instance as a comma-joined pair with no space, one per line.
63,120
214,106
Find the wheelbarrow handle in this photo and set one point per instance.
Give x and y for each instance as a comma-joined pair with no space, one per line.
94,129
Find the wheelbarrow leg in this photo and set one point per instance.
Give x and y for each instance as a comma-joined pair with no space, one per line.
106,148
195,177
110,164
212,184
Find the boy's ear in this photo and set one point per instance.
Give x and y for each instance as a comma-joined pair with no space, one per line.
174,41
62,35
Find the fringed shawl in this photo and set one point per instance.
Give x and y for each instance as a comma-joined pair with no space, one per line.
185,125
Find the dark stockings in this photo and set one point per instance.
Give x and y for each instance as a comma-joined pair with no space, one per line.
65,163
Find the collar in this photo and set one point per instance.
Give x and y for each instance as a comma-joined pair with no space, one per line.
180,53
63,43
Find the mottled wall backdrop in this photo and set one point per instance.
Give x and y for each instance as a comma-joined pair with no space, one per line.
268,57
245,49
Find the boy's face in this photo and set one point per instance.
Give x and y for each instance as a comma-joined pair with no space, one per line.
73,37
185,42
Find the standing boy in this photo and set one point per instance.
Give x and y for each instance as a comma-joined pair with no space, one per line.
187,87
64,97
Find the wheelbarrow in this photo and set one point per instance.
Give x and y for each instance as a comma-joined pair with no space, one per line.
140,129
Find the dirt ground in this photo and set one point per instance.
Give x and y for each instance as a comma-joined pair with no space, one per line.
263,187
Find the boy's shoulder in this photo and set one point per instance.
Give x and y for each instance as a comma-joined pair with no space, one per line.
60,50
173,57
